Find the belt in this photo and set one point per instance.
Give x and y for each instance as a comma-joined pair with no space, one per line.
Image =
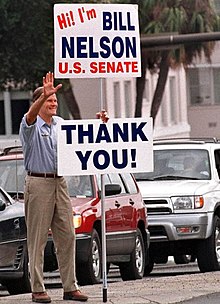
46,175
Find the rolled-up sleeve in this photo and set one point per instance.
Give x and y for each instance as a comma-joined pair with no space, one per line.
26,131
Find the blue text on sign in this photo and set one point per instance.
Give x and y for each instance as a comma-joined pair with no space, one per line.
122,133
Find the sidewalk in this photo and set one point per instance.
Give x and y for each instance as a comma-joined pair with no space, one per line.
160,290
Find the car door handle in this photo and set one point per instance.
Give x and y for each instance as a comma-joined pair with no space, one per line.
131,202
117,204
16,223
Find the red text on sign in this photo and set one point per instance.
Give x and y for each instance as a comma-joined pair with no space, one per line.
114,67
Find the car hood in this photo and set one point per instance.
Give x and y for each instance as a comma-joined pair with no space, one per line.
12,211
81,204
175,188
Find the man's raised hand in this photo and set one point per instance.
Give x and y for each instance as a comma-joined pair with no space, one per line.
48,83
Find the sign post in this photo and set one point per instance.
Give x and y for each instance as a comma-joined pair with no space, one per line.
103,223
104,261
97,41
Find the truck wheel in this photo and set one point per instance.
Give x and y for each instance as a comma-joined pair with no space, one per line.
182,259
208,250
90,272
21,285
135,268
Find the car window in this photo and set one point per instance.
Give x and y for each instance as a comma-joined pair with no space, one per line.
4,199
12,178
112,178
217,161
12,175
106,180
185,163
129,183
79,185
116,179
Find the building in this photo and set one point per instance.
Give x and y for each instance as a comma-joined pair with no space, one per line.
117,95
13,104
203,94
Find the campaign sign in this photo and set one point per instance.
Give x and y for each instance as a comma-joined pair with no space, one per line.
91,146
96,40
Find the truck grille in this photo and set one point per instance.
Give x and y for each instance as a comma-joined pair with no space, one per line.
157,207
157,231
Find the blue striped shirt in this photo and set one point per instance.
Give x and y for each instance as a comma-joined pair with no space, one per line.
39,143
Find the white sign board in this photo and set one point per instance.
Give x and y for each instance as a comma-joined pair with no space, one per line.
90,146
96,40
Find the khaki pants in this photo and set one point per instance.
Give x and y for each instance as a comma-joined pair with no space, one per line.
47,205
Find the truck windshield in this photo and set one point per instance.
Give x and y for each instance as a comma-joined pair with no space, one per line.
179,164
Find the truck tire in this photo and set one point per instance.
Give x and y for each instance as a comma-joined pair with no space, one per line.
135,268
149,267
90,272
208,250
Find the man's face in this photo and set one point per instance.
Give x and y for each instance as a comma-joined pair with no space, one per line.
50,106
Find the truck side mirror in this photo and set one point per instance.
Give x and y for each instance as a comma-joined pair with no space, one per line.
112,189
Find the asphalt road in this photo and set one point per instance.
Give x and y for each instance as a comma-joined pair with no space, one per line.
168,284
208,299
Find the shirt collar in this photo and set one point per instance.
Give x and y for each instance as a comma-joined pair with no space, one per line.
41,122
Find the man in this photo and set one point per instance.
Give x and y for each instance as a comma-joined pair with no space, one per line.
47,203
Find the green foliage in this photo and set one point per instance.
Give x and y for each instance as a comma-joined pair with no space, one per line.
173,18
216,23
26,38
183,17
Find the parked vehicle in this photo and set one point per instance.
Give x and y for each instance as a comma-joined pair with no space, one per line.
127,235
182,197
13,250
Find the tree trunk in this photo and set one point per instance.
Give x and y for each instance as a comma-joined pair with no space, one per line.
70,100
140,86
161,82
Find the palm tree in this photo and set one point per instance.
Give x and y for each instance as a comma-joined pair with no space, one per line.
177,16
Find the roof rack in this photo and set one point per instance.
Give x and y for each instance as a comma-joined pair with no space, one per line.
187,140
11,150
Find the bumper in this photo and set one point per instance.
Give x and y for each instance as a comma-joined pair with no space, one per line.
175,227
16,254
10,274
83,242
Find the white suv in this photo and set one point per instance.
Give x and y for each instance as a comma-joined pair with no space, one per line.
182,197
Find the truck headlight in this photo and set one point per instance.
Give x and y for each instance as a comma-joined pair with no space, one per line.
187,202
77,220
182,203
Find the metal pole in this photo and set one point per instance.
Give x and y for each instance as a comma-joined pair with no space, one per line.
167,39
104,268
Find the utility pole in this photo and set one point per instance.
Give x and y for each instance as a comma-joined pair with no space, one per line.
167,40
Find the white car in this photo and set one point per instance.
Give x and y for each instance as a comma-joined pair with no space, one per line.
182,197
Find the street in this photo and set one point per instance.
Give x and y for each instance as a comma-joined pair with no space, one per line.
167,284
